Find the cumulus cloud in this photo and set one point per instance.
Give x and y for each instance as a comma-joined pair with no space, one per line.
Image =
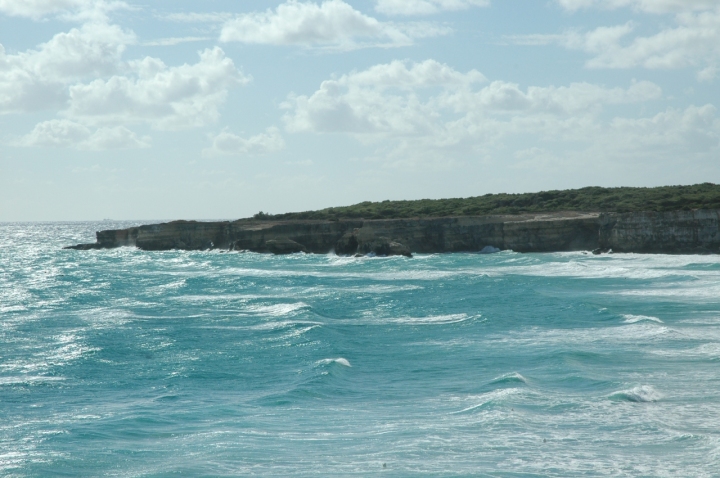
649,6
196,17
386,99
69,9
81,74
69,134
428,111
672,128
40,8
165,97
367,102
332,24
229,144
694,42
37,79
425,7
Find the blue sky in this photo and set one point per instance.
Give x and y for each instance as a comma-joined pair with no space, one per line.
220,109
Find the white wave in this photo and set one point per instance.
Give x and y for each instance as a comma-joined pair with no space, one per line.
291,334
276,310
489,250
705,290
171,286
340,361
431,320
485,398
509,378
12,308
631,319
632,333
626,266
378,289
28,379
710,350
399,274
640,394
276,325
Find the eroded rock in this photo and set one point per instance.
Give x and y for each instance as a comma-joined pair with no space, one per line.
284,246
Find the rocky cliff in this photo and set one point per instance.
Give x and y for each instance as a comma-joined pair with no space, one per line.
676,232
668,232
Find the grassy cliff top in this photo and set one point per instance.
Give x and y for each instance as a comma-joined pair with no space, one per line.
590,199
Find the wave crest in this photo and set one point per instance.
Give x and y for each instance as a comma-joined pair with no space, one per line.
631,319
340,361
512,377
641,394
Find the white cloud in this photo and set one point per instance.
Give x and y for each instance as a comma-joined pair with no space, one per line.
83,10
40,8
172,41
386,100
165,97
501,96
37,79
360,103
229,144
425,7
196,17
649,6
69,134
118,137
671,128
82,75
332,24
708,74
425,113
695,43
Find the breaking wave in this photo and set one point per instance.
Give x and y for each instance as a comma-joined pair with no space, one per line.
640,394
340,361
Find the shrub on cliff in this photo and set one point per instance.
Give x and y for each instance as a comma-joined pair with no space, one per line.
590,199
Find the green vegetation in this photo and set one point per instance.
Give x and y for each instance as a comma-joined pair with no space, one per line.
591,199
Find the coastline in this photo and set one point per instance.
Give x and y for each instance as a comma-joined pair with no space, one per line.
673,232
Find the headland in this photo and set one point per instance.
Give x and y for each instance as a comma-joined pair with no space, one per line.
668,220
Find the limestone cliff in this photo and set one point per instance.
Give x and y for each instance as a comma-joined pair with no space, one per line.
670,232
677,232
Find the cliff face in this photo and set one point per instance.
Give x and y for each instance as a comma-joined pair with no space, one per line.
678,232
672,232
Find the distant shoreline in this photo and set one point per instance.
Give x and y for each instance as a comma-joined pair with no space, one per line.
674,232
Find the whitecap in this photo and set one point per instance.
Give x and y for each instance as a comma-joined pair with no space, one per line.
340,361
512,377
486,398
277,325
640,394
489,250
276,310
170,286
28,379
431,320
631,319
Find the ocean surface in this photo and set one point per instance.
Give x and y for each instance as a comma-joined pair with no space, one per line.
130,363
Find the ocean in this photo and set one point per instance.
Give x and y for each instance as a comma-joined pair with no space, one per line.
130,363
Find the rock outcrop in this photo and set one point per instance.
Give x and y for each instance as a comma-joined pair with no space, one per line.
363,241
670,232
677,232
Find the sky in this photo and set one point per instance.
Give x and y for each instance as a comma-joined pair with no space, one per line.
219,109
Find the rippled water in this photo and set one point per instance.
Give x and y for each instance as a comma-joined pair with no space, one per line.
130,363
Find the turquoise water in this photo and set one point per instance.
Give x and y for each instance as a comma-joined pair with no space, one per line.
131,363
